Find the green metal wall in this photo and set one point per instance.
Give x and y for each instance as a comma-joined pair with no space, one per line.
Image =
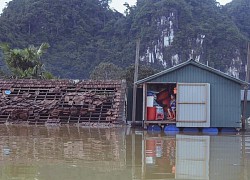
225,94
139,104
248,108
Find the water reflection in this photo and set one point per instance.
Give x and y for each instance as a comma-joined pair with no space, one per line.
160,157
121,153
61,153
190,156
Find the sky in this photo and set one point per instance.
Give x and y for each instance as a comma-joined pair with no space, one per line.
116,4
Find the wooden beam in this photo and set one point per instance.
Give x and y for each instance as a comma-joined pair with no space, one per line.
246,89
160,122
192,103
135,79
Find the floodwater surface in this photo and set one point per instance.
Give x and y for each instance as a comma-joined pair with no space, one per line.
65,153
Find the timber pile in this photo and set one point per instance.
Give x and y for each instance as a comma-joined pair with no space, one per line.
61,101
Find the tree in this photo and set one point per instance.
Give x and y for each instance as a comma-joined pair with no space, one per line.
106,71
26,63
143,72
84,33
2,74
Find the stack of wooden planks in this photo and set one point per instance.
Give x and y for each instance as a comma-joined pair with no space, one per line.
62,101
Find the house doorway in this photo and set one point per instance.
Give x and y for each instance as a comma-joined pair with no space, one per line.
161,101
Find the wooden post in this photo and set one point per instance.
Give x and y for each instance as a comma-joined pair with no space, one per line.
143,164
135,79
133,155
244,158
246,89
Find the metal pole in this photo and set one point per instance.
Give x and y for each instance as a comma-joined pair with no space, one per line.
135,79
246,90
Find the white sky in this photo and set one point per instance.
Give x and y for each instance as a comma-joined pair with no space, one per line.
116,4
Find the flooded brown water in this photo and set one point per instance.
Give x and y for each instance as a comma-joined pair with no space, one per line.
65,153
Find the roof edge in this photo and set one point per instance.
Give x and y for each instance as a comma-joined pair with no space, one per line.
195,63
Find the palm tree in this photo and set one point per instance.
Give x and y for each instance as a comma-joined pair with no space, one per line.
25,63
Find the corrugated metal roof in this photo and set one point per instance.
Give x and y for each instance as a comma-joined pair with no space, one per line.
200,65
248,95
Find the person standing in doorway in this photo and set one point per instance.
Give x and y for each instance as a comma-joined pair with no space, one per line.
172,109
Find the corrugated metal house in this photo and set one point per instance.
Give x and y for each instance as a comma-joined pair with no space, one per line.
205,97
248,102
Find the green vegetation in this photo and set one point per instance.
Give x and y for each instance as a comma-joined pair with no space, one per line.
26,63
109,71
106,71
143,72
2,74
239,12
84,33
